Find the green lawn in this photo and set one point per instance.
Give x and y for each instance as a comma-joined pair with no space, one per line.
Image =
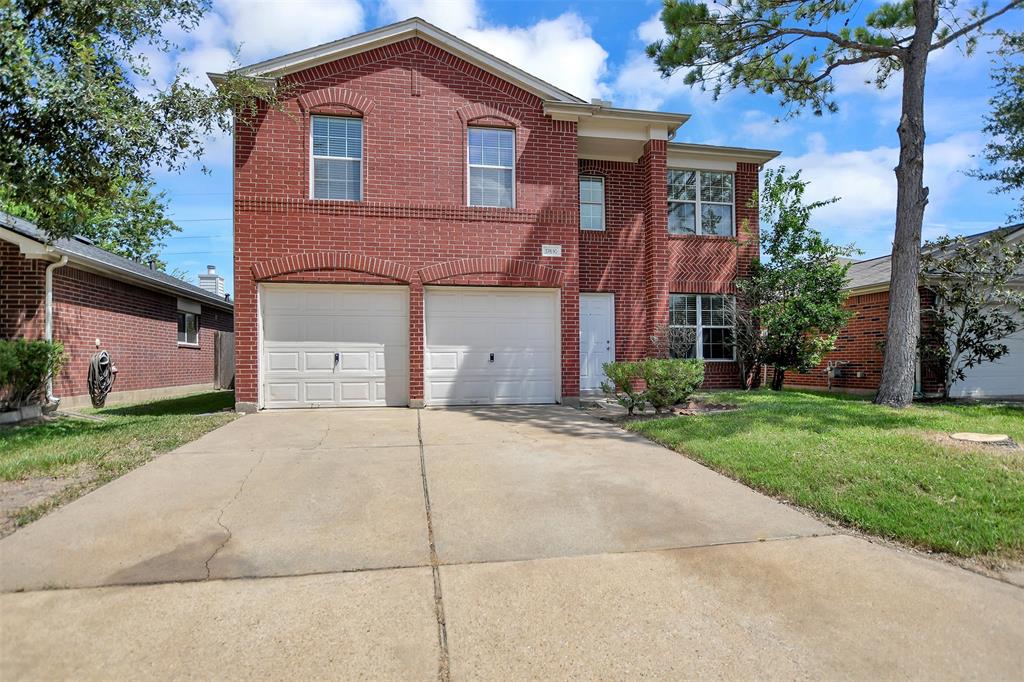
127,437
883,471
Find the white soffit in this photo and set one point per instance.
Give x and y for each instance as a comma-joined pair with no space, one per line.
710,157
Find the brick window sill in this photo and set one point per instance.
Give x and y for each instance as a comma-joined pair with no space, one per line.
713,237
188,345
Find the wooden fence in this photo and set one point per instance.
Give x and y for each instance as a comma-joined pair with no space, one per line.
224,360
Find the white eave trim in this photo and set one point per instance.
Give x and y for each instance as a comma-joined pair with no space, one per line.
686,150
385,35
574,111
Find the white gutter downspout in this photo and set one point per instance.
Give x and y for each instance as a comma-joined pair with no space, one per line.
48,318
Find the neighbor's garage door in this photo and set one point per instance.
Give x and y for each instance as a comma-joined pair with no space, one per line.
334,345
1002,378
490,346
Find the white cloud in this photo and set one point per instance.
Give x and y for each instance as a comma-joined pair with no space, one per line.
269,28
560,50
865,182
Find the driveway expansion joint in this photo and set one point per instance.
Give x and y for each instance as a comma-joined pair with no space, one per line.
442,628
220,516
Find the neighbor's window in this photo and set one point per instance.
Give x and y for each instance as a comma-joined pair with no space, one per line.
188,328
700,202
492,154
706,322
591,203
337,158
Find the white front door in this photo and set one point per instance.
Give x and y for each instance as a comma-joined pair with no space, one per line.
330,345
597,338
487,346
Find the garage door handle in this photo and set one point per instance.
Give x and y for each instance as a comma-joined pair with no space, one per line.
492,357
337,358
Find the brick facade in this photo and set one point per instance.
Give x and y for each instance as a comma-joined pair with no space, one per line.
137,326
413,228
860,347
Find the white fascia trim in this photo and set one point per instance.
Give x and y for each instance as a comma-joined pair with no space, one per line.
574,111
414,27
713,152
29,248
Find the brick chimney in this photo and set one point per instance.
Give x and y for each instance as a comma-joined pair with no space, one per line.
212,282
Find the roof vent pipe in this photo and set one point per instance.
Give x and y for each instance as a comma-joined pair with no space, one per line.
48,320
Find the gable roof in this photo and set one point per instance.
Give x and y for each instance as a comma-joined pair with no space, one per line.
116,267
875,273
393,33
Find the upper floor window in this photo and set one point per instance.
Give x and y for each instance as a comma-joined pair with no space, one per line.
591,203
337,158
700,202
702,326
492,153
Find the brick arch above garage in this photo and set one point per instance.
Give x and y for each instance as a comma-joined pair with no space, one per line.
491,270
321,263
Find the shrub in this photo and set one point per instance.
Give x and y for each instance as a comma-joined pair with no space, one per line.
24,368
622,377
670,381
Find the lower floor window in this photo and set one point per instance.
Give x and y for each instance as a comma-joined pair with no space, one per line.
188,328
702,326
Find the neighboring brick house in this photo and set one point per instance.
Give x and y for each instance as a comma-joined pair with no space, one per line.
419,222
158,329
859,347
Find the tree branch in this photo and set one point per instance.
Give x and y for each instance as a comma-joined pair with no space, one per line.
838,39
973,26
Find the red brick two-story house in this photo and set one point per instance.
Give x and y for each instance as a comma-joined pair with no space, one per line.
419,222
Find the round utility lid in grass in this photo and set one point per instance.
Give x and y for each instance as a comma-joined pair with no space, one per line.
980,437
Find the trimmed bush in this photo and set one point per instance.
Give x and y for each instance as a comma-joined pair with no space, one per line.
24,368
670,381
622,385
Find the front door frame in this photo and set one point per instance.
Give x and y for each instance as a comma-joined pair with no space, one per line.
611,324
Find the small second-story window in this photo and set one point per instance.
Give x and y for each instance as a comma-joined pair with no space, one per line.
701,203
492,179
591,203
337,158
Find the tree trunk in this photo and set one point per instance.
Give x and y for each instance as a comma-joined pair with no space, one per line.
778,376
897,385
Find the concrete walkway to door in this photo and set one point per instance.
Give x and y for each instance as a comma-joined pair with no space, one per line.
471,543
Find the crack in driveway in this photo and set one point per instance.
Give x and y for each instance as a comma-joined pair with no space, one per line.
220,516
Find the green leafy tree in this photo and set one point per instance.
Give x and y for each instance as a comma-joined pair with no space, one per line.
975,305
792,49
1004,124
83,126
794,295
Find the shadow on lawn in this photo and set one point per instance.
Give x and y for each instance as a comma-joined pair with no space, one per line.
201,403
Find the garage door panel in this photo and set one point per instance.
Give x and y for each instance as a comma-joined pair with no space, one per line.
465,328
366,326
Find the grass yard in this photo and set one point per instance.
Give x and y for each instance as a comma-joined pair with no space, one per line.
94,452
883,471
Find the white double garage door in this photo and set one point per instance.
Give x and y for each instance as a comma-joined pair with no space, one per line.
348,345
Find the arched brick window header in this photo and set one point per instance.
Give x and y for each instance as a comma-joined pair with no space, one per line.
328,97
486,114
503,266
331,260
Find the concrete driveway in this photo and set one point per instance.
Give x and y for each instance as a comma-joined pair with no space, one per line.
483,543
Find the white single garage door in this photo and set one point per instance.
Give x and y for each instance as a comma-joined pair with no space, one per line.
327,345
488,346
1002,378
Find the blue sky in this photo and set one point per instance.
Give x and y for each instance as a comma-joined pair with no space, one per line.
595,49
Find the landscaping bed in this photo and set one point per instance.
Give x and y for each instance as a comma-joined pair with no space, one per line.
891,473
43,466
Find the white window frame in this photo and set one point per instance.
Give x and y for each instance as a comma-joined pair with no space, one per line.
185,314
604,203
700,326
470,166
698,226
362,159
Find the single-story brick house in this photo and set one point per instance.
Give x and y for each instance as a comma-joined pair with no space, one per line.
158,329
420,222
859,346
